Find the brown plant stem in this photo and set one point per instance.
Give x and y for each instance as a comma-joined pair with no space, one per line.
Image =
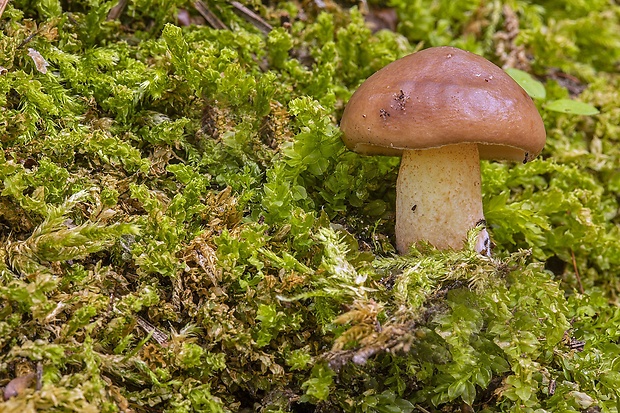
577,276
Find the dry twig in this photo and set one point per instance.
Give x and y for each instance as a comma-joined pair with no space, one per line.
116,11
209,16
252,17
579,285
3,4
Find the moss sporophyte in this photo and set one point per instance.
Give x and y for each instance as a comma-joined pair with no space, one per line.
183,229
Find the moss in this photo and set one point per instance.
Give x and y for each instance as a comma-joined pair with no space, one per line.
183,229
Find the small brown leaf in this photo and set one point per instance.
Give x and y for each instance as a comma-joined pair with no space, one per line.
39,61
18,385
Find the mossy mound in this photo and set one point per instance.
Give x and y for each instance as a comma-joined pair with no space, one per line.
183,230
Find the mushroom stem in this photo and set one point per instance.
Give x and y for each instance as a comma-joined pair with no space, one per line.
438,197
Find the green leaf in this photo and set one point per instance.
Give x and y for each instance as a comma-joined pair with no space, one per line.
456,389
532,86
317,387
573,107
483,376
469,394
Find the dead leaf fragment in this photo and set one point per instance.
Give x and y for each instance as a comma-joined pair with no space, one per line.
18,385
39,61
382,19
157,335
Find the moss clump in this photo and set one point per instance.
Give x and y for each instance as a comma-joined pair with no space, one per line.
182,228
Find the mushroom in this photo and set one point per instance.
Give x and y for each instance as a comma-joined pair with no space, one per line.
442,109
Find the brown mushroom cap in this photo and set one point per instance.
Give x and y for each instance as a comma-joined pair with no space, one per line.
442,96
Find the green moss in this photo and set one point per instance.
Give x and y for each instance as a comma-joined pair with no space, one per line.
183,229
